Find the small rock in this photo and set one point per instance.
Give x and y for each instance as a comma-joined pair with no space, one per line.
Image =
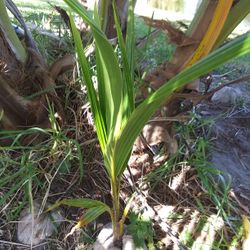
128,242
104,240
33,229
227,95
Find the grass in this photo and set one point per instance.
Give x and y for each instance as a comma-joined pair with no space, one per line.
40,5
66,163
147,54
43,169
236,68
46,170
196,205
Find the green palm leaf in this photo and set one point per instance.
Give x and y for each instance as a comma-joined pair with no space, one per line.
110,71
90,215
82,203
127,54
142,113
93,209
84,66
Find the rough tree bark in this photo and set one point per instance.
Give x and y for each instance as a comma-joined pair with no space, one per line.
106,13
18,80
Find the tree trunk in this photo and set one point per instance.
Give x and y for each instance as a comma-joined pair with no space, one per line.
107,16
187,43
18,80
8,62
23,72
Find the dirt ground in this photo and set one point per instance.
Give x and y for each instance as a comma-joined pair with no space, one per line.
230,137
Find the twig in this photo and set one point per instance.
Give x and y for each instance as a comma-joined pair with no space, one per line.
245,208
242,79
222,75
143,40
197,98
19,244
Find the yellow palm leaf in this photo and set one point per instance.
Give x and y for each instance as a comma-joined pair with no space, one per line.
246,226
214,29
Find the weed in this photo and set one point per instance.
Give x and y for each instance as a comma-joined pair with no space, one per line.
141,229
151,54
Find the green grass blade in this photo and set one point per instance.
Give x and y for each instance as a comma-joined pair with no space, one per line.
12,191
11,178
95,106
143,112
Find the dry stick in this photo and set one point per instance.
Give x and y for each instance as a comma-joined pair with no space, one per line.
177,118
4,242
245,208
146,145
242,79
141,42
209,94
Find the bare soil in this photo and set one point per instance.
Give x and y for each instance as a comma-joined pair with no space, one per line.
230,139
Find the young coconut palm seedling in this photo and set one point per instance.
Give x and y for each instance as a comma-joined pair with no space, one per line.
117,121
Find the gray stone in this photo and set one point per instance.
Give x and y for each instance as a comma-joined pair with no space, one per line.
227,95
33,228
104,240
128,243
